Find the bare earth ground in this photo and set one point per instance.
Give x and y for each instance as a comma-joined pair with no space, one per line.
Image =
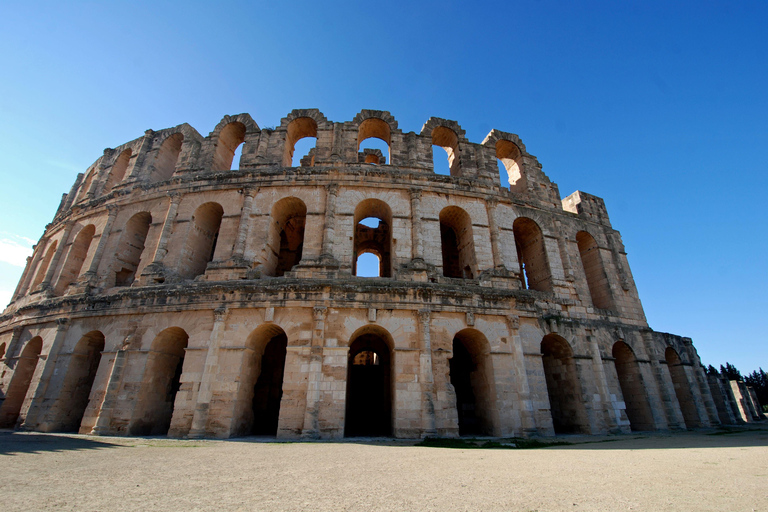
703,470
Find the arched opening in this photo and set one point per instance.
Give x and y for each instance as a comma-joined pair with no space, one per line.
78,382
77,254
471,372
632,388
167,157
510,165
230,139
86,185
2,351
458,244
285,244
117,174
563,386
131,247
162,378
597,280
368,265
377,129
532,255
262,388
373,235
369,384
299,129
19,386
201,240
446,139
42,269
682,388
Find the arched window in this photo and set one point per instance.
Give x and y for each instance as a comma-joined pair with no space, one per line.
682,388
117,174
632,388
373,235
258,410
161,382
297,130
74,263
86,185
563,386
448,140
510,165
597,280
130,248
43,267
230,139
285,240
471,374
20,381
532,255
370,383
201,240
458,245
377,129
167,156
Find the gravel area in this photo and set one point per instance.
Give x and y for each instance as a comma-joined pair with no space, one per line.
703,470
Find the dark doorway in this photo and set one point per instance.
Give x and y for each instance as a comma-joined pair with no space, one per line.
268,391
461,368
369,395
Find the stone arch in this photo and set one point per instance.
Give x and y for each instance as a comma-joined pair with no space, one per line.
563,386
162,378
201,239
2,351
378,124
447,135
119,168
230,138
376,240
370,383
70,271
458,244
76,388
285,239
130,248
535,273
676,369
471,375
597,279
509,151
167,157
638,408
261,391
296,130
42,269
86,184
20,381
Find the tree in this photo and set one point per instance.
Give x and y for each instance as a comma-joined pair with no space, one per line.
759,381
730,372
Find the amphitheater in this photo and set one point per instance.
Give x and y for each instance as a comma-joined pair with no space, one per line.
178,293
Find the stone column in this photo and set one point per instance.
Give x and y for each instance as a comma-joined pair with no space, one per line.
330,221
427,376
165,233
210,372
242,230
416,237
315,374
111,393
46,284
601,382
91,275
527,417
490,205
37,407
675,418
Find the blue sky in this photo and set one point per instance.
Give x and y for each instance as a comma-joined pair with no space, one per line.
658,107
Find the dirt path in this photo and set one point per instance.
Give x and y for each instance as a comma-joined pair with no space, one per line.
688,471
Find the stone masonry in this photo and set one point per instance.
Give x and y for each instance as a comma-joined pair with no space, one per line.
176,293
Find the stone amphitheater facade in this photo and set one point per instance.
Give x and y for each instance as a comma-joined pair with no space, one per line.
175,293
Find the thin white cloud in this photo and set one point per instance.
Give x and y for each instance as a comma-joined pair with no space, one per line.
64,165
14,249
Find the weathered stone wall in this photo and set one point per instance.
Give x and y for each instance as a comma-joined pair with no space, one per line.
172,294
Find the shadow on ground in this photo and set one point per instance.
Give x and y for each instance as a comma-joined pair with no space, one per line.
14,443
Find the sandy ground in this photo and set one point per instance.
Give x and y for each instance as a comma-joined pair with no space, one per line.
706,470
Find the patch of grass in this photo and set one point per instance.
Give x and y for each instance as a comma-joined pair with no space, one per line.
514,443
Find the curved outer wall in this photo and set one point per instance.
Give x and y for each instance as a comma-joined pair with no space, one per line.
160,285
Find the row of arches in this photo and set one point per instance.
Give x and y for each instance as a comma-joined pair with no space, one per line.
370,379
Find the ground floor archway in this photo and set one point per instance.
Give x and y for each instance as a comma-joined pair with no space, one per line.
471,374
682,388
632,387
369,386
81,372
563,386
19,386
